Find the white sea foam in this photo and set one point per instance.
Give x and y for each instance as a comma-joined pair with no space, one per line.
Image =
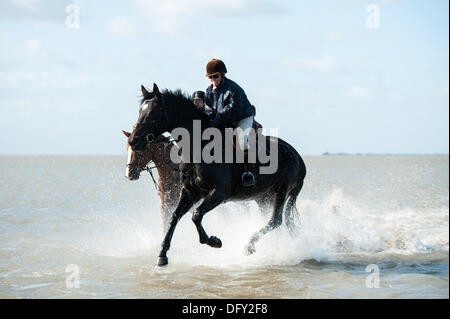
329,229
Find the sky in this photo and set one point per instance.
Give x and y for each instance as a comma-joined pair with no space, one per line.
329,75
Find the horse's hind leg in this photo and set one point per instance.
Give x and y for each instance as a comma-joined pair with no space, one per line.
215,198
187,200
291,212
274,222
265,203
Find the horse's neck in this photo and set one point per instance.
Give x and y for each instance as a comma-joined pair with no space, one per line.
184,117
166,168
159,155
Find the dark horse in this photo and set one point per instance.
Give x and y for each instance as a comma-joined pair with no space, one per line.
215,183
169,181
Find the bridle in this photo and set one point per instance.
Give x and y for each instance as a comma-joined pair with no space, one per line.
164,140
150,137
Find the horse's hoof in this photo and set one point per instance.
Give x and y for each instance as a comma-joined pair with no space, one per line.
163,261
214,242
249,250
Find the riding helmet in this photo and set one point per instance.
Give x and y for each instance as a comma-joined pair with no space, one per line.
215,66
198,95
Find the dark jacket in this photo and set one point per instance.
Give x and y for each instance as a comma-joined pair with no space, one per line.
229,103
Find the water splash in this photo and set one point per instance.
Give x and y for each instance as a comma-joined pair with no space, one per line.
329,229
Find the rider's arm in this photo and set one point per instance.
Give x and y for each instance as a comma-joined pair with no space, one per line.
231,111
208,109
207,99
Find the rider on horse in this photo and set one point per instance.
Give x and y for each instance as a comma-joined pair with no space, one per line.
231,108
198,98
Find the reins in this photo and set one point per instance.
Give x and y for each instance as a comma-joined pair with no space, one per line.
149,169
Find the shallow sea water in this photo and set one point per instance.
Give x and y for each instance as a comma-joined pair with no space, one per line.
359,216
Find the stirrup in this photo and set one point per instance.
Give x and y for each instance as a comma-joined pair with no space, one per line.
248,179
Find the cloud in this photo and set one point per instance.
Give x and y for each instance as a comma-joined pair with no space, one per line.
324,64
359,93
347,38
33,44
40,10
121,26
28,5
175,16
6,36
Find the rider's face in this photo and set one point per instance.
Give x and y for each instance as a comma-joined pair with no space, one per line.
199,103
216,79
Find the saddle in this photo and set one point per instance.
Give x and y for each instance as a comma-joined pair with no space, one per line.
187,169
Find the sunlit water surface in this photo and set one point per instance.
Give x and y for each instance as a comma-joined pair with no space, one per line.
358,215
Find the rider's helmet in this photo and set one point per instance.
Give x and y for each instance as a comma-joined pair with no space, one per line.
198,95
215,66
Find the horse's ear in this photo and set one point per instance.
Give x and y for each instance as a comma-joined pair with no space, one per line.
126,133
156,91
147,95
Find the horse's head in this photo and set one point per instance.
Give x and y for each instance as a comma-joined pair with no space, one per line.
152,121
136,162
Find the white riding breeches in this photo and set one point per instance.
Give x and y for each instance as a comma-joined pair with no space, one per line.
243,128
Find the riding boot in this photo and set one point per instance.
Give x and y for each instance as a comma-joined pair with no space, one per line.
249,176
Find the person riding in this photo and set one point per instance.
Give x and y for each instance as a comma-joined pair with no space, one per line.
198,98
232,109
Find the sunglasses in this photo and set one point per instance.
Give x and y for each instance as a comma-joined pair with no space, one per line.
214,76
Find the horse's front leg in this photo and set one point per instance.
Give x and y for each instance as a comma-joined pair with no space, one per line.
187,200
215,198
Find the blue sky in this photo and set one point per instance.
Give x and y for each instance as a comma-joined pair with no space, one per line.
313,69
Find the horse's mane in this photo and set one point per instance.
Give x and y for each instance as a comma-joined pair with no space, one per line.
180,99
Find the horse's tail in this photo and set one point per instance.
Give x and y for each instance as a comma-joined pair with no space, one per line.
291,215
